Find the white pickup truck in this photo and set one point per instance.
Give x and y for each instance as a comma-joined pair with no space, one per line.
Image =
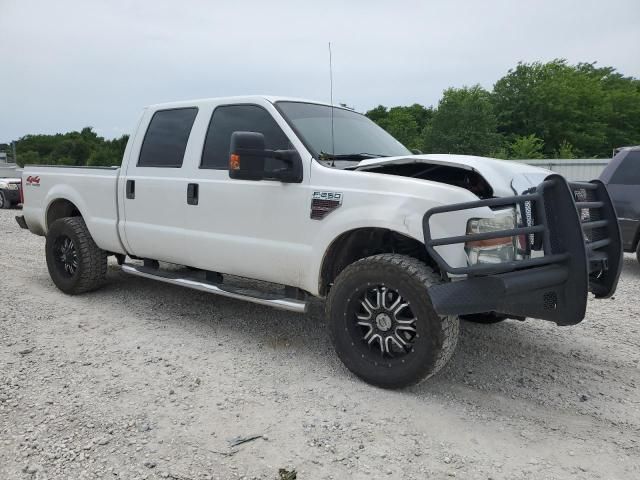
322,202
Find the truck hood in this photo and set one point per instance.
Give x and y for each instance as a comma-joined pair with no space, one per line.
505,177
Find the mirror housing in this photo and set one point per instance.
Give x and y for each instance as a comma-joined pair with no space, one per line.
248,155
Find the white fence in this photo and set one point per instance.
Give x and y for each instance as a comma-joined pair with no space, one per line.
573,169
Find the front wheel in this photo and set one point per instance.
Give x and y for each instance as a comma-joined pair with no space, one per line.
76,264
382,323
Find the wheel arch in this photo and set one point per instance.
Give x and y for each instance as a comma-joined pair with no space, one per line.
60,208
358,243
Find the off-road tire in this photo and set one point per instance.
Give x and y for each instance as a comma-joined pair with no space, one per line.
91,261
436,336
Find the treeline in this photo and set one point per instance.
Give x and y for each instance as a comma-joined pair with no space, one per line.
73,148
537,110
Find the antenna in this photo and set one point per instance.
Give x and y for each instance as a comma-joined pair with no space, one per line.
333,146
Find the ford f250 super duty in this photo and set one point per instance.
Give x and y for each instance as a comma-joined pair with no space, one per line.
321,202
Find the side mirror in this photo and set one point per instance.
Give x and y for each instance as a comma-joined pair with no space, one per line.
248,155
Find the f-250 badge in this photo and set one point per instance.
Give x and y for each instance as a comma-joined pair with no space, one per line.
323,203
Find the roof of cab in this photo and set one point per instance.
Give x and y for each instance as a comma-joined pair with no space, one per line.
235,99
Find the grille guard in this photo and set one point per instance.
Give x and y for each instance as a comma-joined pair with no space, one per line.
573,224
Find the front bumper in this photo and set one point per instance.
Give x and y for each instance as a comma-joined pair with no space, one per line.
573,225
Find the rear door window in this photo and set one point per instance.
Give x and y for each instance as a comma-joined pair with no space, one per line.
166,139
241,118
628,172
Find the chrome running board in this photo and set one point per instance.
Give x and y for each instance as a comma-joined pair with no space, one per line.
253,296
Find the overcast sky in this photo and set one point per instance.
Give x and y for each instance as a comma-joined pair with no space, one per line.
69,64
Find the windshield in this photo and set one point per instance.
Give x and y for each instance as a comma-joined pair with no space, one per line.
354,134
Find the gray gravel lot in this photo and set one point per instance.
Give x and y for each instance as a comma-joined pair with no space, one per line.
145,380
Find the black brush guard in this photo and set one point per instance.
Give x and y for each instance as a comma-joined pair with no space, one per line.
573,224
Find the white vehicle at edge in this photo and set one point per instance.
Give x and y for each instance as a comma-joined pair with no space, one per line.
320,200
9,192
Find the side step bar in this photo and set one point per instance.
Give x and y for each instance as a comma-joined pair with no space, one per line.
253,296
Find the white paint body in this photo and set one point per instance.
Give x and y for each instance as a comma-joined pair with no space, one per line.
255,229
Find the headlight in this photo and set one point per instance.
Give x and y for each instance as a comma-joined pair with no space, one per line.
494,250
12,186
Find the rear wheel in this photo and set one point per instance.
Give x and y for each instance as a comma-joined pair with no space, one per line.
382,323
75,262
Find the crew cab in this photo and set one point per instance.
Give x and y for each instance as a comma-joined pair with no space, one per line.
318,201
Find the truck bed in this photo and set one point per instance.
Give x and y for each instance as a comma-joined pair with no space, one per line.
92,190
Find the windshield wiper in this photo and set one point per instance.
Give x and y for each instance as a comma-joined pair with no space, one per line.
349,156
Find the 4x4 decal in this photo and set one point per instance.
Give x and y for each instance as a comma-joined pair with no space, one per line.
33,181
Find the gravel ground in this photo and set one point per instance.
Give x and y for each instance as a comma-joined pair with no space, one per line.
142,380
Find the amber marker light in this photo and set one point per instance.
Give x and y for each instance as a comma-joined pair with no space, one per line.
234,162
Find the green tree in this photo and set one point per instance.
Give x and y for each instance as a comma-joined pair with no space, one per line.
463,123
66,161
104,157
593,109
501,153
622,115
526,147
403,127
378,114
29,158
421,114
72,148
565,150
404,123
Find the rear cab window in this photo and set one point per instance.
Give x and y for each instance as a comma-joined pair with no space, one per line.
227,119
166,138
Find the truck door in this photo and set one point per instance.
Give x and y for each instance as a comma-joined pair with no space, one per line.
248,228
154,201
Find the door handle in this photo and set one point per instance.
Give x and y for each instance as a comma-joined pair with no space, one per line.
131,189
192,194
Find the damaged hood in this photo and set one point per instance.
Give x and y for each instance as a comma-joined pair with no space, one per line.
505,177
